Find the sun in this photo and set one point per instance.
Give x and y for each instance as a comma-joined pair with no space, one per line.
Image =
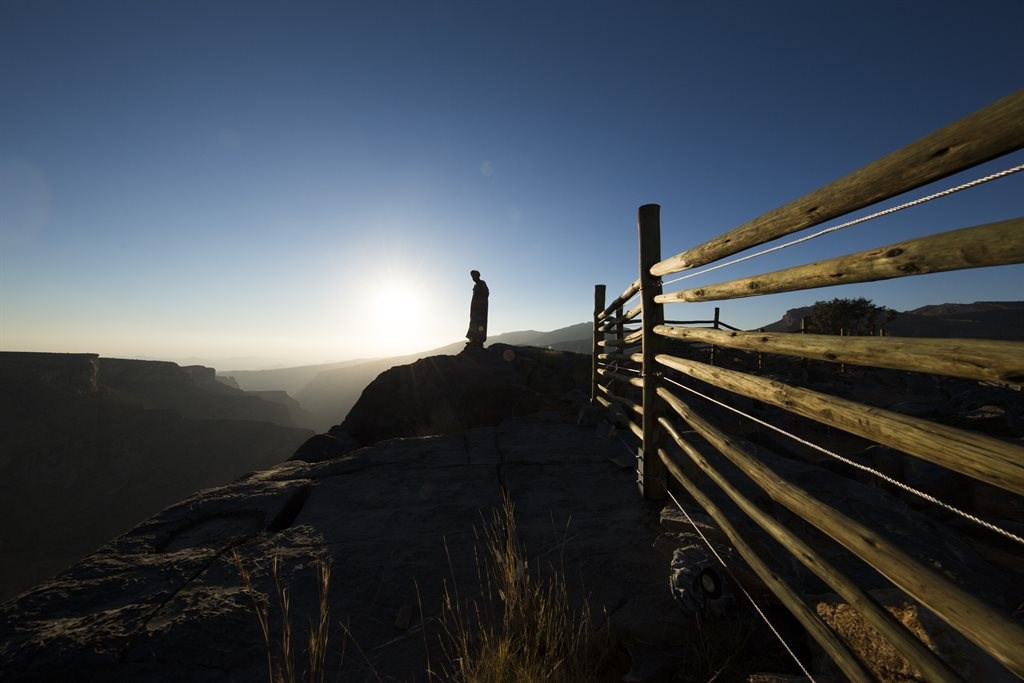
397,302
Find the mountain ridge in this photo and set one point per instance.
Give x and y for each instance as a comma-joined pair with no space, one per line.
979,320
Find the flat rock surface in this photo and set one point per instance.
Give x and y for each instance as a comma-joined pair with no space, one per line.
398,521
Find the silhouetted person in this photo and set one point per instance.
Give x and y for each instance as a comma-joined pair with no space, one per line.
477,333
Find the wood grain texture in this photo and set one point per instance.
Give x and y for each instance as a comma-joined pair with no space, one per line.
994,244
652,476
979,456
978,359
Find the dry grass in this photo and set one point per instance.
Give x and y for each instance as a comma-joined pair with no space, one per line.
522,628
281,665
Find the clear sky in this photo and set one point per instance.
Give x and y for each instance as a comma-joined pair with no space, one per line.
253,184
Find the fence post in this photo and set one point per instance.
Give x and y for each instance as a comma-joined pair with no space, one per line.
651,472
598,336
716,325
803,330
760,356
620,331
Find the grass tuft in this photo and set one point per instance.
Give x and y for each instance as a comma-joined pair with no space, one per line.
281,666
523,627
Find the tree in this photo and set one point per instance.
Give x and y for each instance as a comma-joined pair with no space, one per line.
848,316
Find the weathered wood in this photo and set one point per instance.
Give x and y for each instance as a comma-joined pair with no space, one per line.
994,244
639,433
634,312
627,379
611,374
621,400
846,660
603,401
614,357
991,132
984,626
620,299
979,456
652,471
978,359
633,338
923,659
598,337
617,323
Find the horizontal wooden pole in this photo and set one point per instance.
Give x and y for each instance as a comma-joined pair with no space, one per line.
979,456
620,299
603,401
978,359
985,627
923,659
614,357
994,244
635,381
611,374
846,660
621,400
989,133
624,319
634,338
633,427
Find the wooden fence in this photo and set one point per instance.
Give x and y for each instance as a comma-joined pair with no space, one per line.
637,365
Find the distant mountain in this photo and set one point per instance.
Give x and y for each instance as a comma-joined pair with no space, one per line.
290,380
193,392
330,390
979,320
91,446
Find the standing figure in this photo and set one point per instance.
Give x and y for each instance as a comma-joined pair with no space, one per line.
477,333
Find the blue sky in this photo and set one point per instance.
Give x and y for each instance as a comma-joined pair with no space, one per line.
247,183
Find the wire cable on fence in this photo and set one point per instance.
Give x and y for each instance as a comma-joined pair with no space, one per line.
740,586
862,219
864,468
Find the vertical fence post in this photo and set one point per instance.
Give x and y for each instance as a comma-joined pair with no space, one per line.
598,336
717,325
650,470
760,356
803,330
620,330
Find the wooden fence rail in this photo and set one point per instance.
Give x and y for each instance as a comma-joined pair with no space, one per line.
639,356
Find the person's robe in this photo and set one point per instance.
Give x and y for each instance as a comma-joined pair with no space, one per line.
477,332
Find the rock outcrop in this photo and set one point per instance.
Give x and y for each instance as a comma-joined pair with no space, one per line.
398,523
443,394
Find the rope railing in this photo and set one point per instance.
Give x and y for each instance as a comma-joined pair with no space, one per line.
639,356
852,463
994,131
857,221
